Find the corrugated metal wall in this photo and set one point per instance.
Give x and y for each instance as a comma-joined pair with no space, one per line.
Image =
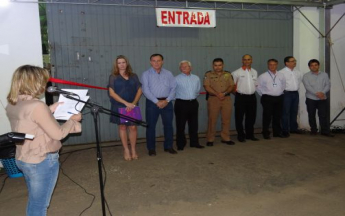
86,38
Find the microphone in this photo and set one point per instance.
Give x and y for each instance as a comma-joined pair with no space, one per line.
14,137
53,89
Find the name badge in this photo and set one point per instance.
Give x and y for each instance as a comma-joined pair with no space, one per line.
274,84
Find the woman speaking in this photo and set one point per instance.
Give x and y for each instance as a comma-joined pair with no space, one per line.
38,159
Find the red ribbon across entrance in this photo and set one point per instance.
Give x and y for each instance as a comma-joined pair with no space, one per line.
55,80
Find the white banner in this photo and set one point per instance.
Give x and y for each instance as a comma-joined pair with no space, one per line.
168,17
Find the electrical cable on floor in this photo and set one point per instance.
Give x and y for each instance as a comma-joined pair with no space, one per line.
3,184
90,194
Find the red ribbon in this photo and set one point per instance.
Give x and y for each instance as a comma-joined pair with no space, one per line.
54,80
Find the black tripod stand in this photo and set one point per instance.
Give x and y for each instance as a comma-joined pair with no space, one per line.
95,110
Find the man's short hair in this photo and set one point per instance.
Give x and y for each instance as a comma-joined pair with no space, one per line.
185,61
218,60
272,60
313,61
156,54
247,55
287,59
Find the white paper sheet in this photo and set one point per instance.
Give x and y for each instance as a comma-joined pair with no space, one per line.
70,107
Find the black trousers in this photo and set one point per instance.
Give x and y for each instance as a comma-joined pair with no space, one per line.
321,106
272,111
186,111
245,105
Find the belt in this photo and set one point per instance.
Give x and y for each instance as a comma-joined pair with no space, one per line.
290,91
177,99
272,95
237,93
162,98
224,95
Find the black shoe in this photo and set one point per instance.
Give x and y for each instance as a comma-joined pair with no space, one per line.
286,134
152,153
230,142
254,139
267,137
209,143
180,148
280,135
297,132
313,133
171,151
198,146
241,139
327,134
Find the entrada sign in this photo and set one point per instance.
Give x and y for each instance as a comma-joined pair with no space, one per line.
168,17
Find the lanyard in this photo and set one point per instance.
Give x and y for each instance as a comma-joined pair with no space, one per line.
274,79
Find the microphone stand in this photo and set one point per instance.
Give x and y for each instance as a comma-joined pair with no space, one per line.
95,110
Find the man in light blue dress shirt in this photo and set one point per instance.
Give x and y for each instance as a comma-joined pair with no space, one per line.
187,106
158,86
317,85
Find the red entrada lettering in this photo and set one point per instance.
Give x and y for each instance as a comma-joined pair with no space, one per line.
185,18
163,17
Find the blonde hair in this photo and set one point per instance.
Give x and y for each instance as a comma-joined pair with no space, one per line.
27,80
128,72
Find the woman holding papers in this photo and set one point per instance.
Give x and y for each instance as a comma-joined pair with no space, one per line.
38,159
125,92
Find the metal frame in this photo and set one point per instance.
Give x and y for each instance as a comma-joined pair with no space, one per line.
257,5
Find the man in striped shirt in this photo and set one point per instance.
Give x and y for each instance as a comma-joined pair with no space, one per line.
158,86
187,106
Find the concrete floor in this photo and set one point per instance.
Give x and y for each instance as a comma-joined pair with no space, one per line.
300,175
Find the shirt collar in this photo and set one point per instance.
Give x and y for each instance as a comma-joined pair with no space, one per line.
154,71
270,72
288,69
246,68
183,74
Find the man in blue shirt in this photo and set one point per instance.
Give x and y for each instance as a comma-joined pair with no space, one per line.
187,106
158,86
317,85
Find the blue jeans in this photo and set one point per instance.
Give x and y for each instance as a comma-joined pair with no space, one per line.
290,111
41,180
152,114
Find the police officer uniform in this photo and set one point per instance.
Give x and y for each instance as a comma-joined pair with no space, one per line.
220,83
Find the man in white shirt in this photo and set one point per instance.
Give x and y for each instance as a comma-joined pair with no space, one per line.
245,99
291,97
271,87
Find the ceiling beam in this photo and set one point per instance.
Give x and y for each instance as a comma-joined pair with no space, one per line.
274,2
335,2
